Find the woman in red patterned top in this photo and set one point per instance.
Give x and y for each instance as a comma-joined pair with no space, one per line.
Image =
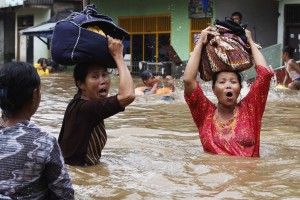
230,127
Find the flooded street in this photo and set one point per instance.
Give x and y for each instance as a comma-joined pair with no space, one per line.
154,152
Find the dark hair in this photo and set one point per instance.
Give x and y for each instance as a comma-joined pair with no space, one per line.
80,73
42,60
215,77
18,80
145,75
237,14
290,50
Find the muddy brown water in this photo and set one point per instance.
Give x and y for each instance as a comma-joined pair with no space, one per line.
154,152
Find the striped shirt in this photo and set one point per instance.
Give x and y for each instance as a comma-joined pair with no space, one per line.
96,144
83,136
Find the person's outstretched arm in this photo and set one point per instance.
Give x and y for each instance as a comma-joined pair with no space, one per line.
190,73
126,87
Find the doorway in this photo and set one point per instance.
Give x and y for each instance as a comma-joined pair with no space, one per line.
292,27
25,43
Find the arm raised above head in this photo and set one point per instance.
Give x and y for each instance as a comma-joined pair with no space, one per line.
191,70
126,87
259,59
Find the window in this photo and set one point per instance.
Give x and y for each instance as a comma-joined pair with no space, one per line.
197,25
148,37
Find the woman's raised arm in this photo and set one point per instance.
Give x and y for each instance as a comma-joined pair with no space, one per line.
191,70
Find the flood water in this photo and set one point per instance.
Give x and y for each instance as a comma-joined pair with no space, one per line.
154,152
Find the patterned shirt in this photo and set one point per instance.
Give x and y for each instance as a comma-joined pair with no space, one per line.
241,135
31,164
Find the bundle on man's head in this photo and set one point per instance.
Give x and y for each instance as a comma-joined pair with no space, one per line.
228,51
81,38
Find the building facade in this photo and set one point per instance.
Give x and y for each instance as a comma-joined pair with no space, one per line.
17,15
160,30
156,23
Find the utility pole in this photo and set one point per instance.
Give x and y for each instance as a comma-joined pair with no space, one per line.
85,3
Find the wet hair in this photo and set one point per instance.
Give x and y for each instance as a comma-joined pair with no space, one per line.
42,60
290,50
18,80
215,77
145,75
237,14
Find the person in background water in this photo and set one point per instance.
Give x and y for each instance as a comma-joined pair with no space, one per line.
230,127
31,163
42,65
153,84
83,136
292,69
237,17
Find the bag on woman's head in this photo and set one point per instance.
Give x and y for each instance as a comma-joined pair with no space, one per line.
228,51
81,38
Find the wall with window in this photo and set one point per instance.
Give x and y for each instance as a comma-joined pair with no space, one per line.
176,9
27,44
261,17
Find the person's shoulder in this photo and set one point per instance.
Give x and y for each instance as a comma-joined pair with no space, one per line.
35,128
292,62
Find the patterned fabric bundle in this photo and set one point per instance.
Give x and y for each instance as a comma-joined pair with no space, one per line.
228,51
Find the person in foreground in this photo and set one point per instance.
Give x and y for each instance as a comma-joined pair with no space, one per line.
230,127
292,69
153,84
31,163
83,136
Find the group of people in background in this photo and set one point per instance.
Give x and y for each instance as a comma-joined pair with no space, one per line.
33,161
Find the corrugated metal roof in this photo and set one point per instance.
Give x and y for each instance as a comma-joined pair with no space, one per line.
46,28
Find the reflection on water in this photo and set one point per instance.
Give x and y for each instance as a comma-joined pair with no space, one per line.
154,152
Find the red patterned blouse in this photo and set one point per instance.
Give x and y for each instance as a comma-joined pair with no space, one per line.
241,135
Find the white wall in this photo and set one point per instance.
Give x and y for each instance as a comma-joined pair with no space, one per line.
260,15
40,15
280,38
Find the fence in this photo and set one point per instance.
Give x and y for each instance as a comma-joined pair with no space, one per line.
160,68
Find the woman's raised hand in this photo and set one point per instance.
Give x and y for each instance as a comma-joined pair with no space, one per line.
202,37
115,47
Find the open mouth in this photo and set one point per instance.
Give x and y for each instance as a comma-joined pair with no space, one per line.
103,91
229,94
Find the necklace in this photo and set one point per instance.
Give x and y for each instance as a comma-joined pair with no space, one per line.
229,122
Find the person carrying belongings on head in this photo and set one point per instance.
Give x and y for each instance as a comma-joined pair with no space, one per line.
230,127
98,47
